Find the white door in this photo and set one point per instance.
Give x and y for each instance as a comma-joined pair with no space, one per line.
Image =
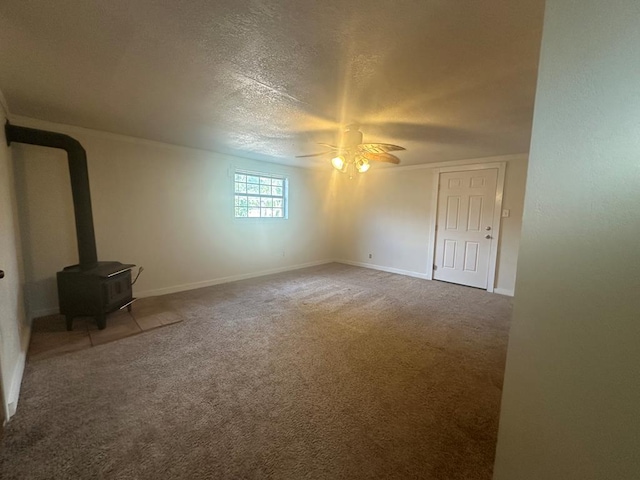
464,226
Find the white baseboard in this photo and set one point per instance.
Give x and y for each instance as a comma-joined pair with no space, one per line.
16,382
399,271
424,276
231,278
18,372
504,291
43,312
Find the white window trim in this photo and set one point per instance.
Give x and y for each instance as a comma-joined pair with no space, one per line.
285,196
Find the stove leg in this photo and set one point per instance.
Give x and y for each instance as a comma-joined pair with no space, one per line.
129,308
101,320
69,322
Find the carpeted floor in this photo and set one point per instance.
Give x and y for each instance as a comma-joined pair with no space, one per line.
332,372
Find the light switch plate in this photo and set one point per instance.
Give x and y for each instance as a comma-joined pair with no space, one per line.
506,213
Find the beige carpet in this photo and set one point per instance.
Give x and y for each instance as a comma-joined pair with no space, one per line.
333,372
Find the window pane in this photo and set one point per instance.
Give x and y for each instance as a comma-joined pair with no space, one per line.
259,195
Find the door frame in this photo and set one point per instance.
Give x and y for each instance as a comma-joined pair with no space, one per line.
497,215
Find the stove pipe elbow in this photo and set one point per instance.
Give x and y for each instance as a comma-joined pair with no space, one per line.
78,171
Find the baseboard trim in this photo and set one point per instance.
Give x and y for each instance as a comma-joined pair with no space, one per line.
43,312
18,372
399,271
504,291
16,382
501,291
234,278
231,278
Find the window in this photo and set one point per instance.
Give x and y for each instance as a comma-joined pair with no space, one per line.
260,195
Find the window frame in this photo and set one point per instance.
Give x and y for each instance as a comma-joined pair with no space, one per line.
260,196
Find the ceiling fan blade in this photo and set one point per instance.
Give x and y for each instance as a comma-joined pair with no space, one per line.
381,157
332,147
378,147
313,155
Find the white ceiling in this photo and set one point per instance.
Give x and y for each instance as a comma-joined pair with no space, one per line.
268,79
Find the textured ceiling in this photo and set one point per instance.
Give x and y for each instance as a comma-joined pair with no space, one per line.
268,79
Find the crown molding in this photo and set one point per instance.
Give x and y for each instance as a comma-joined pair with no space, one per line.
452,163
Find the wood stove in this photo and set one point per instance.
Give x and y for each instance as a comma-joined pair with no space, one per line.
94,292
90,288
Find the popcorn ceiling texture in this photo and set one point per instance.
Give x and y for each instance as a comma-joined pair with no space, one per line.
264,79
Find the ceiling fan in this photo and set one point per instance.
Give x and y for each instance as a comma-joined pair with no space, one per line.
352,154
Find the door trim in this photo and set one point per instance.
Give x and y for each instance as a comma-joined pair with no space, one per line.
497,215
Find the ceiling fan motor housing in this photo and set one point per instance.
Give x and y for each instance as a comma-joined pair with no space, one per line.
351,138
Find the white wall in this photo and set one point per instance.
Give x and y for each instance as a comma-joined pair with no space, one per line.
167,208
510,228
571,403
14,330
387,213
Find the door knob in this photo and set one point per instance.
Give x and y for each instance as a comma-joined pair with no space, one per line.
1,273
487,228
488,237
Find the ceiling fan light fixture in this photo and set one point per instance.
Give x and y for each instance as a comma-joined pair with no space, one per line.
352,156
363,166
338,163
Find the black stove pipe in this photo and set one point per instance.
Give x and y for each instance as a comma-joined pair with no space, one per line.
79,174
